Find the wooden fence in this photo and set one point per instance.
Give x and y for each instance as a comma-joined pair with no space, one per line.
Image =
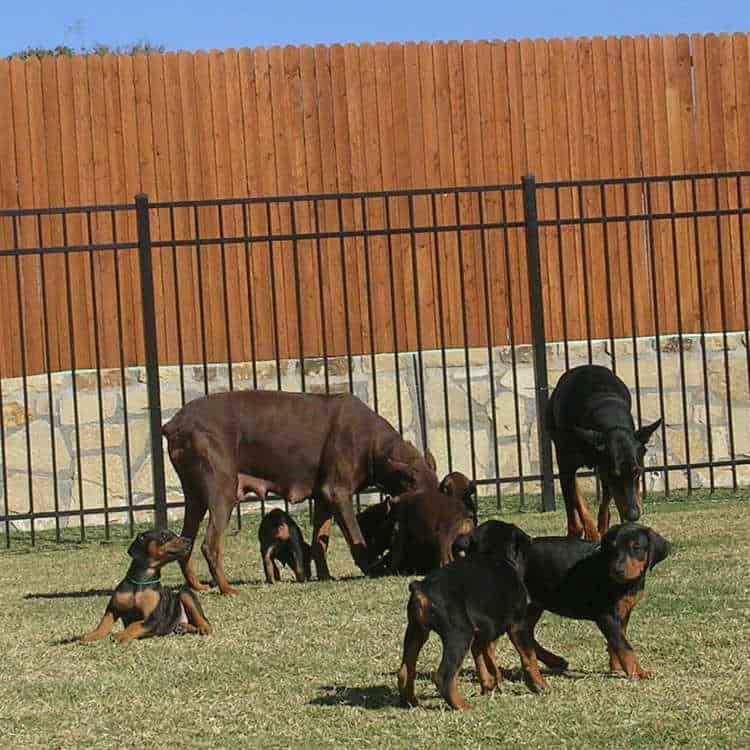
291,121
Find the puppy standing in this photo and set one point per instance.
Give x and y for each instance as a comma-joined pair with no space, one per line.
470,604
281,539
145,607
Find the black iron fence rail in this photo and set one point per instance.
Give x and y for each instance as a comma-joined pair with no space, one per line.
455,419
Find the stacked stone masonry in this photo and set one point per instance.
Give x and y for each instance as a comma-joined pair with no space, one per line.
95,439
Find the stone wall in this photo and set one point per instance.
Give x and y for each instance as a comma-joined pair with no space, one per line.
115,415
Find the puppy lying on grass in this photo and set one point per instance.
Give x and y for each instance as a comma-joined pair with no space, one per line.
145,607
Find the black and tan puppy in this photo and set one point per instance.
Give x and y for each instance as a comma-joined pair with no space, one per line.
589,421
469,604
598,582
145,607
281,539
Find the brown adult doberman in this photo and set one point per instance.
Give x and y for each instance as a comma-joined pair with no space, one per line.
588,418
297,445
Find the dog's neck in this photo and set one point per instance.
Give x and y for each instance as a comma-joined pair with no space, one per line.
140,574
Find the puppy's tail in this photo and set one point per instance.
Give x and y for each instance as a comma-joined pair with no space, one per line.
420,606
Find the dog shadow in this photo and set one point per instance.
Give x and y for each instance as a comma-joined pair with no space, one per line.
374,698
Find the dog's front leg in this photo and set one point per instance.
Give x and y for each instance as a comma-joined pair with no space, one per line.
620,649
103,629
132,632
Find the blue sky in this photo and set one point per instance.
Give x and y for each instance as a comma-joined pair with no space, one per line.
218,24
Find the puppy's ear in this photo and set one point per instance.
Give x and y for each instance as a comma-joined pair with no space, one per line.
659,548
137,550
430,460
471,490
644,434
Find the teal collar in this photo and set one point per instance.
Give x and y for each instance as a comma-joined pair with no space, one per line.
144,583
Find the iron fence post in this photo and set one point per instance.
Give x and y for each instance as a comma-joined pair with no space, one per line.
538,341
152,359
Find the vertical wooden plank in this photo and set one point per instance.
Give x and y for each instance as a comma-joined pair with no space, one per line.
9,179
56,303
547,170
236,264
70,124
379,282
131,290
519,162
448,255
164,277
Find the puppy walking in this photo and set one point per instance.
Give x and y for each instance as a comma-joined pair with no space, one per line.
281,539
145,607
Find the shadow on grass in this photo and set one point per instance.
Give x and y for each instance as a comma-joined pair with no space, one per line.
374,698
69,594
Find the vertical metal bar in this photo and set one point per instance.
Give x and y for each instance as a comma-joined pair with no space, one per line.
584,259
563,285
250,291
536,299
345,291
657,327
465,328
633,316
123,381
152,359
724,325
321,295
71,340
490,339
370,320
513,363
178,306
608,275
680,330
419,374
98,362
50,397
399,408
225,288
704,362
743,266
24,379
275,312
201,303
441,318
298,296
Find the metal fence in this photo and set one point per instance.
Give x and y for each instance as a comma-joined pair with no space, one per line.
450,311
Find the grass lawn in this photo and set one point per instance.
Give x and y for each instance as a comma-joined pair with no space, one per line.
314,665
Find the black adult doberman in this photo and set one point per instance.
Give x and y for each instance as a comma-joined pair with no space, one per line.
589,420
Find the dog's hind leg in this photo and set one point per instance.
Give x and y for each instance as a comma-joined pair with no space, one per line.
586,520
553,661
221,489
455,647
485,665
415,637
521,638
195,510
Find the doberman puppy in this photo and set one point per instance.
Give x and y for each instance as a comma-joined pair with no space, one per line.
377,523
427,525
460,486
581,580
589,421
145,607
297,445
470,604
281,539
599,582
